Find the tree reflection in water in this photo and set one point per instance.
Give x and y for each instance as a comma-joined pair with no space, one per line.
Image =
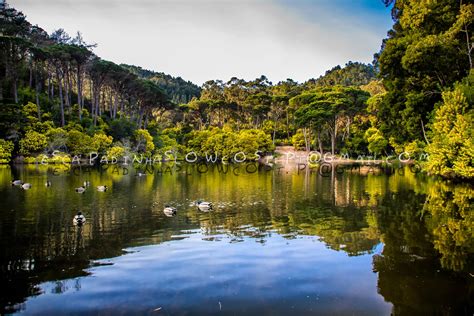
425,226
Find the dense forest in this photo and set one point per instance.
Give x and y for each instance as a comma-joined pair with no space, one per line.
177,89
56,95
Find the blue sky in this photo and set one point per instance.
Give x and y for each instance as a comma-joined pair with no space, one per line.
201,40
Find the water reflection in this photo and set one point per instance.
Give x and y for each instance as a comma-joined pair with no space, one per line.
424,264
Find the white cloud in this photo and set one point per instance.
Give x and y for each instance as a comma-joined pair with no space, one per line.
202,39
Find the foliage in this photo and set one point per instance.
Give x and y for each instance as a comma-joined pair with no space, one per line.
32,143
101,142
377,143
225,144
57,139
6,149
56,86
121,128
55,158
413,77
353,74
179,90
356,143
79,143
143,142
415,149
115,152
451,151
298,141
329,108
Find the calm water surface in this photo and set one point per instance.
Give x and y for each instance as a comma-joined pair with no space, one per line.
275,243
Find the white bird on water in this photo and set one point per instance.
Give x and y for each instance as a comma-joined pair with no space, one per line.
26,186
203,205
102,188
17,182
80,189
79,219
170,211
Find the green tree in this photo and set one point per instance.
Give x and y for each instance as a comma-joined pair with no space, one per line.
428,49
451,151
6,149
101,142
352,74
57,139
377,143
33,143
331,108
143,142
79,143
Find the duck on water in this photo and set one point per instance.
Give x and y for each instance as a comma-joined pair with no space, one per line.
79,219
102,188
170,211
203,205
80,190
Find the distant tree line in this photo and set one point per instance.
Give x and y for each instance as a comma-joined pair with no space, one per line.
417,97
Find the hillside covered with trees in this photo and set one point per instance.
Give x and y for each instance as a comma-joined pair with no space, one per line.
178,90
57,95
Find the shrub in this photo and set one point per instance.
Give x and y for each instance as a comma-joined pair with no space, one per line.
116,152
6,148
376,141
415,149
121,128
298,140
33,143
143,142
101,142
451,151
57,139
79,143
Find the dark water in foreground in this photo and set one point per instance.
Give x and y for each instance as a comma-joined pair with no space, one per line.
275,243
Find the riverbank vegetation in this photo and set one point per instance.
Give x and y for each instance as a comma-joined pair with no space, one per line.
56,94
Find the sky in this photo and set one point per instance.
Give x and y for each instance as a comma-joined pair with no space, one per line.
200,40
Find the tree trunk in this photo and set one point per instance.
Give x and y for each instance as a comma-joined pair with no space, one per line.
37,90
115,106
320,143
61,100
66,97
99,108
31,75
146,120
91,96
52,88
94,105
15,90
333,137
70,90
274,132
111,104
140,116
333,143
79,91
48,86
305,139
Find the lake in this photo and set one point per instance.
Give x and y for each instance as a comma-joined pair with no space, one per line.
276,242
